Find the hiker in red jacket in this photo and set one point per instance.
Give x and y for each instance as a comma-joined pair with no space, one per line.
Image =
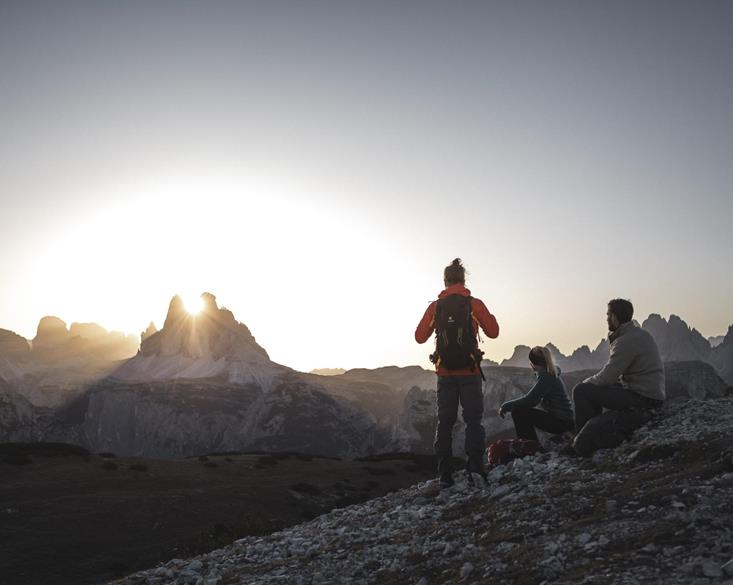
456,317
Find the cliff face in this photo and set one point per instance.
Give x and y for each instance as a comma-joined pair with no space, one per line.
17,416
722,357
180,418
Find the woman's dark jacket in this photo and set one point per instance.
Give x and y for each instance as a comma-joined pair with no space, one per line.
549,391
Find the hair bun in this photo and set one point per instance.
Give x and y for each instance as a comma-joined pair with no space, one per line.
456,262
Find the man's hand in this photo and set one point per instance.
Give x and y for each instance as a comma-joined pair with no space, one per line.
502,412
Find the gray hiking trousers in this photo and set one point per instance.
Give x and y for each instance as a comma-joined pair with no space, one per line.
468,391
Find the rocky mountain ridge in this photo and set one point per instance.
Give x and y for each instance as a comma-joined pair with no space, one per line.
676,340
61,361
657,509
203,384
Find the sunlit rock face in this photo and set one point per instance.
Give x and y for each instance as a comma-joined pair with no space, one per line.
150,331
88,341
51,334
211,333
61,362
208,344
327,371
13,345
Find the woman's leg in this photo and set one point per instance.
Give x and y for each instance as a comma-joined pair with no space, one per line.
527,419
524,423
549,423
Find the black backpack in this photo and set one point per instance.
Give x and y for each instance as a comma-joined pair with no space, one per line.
456,346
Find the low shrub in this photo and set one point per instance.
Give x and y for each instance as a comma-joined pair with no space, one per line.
17,459
379,471
267,460
306,488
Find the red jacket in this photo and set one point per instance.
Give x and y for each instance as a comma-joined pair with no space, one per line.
479,312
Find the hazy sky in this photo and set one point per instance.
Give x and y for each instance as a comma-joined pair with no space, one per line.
316,165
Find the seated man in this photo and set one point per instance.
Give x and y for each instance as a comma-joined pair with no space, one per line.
629,385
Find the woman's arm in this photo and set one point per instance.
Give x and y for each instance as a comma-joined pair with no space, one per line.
531,398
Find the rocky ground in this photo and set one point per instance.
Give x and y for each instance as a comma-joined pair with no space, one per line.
658,509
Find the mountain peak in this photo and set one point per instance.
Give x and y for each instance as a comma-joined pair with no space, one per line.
211,333
677,341
149,331
12,344
50,323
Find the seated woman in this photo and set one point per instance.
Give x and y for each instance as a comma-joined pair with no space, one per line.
556,415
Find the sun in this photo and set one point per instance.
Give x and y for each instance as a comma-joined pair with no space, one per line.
193,304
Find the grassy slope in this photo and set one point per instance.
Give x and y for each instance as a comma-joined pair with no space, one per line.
67,517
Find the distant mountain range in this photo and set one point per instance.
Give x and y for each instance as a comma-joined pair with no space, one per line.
328,371
203,384
677,342
59,361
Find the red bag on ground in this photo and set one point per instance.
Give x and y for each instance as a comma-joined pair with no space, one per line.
505,450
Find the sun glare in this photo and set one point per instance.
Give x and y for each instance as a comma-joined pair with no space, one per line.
193,304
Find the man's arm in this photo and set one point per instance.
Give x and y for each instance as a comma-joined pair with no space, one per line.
618,362
485,319
427,324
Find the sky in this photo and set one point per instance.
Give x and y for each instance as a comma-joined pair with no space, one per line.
316,165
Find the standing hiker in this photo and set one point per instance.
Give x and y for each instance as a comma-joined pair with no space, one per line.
455,317
628,387
556,414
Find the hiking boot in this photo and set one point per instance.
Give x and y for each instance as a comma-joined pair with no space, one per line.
471,482
446,479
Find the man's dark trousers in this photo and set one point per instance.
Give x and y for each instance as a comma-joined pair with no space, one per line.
590,400
467,391
598,430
